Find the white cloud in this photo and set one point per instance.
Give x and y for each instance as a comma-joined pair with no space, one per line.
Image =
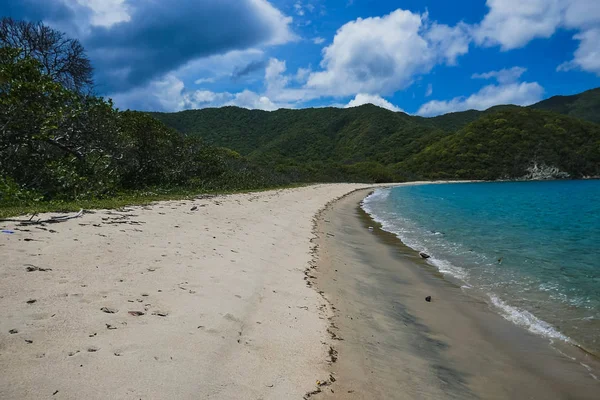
450,42
381,55
363,98
299,9
514,23
522,94
253,101
318,40
429,90
302,74
170,94
503,76
275,80
587,55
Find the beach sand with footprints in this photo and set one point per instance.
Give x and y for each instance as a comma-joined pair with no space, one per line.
159,301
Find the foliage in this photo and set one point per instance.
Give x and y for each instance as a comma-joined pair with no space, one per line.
323,144
59,145
63,59
584,105
505,144
371,144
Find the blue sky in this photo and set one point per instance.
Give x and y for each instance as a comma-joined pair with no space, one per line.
421,57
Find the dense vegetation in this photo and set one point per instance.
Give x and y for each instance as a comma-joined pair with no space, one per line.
584,105
369,143
60,144
322,144
508,143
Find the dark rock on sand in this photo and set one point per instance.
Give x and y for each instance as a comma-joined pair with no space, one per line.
428,299
424,255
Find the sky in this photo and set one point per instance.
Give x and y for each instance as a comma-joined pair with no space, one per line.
421,57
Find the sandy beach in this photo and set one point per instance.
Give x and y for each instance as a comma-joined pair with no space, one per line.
392,344
271,295
162,302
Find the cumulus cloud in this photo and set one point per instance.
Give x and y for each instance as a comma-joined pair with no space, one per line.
523,94
381,55
514,23
162,36
133,42
318,40
363,98
503,76
169,93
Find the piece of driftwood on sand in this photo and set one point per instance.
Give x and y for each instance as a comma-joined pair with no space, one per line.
51,220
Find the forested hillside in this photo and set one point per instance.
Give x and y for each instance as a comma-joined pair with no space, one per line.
512,144
371,143
584,105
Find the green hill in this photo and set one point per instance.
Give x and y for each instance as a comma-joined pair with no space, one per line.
508,144
372,143
313,144
584,105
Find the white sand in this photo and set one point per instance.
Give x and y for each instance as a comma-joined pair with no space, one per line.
241,323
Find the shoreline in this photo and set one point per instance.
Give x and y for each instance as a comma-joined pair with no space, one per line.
396,345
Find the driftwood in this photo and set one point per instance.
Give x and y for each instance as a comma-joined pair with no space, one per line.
51,220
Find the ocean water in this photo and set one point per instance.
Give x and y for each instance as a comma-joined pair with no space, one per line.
532,249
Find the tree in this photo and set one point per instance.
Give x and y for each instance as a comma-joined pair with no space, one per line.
64,60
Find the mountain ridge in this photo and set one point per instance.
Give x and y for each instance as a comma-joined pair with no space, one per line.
369,142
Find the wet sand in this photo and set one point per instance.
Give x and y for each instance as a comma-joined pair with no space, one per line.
389,343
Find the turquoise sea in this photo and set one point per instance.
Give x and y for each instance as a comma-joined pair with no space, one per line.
532,249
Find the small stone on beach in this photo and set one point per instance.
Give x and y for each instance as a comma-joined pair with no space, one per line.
424,255
136,313
109,310
428,299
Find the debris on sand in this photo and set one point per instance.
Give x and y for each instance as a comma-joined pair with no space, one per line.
428,299
160,313
33,268
136,313
109,310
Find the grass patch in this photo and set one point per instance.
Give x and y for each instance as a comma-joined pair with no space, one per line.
121,200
